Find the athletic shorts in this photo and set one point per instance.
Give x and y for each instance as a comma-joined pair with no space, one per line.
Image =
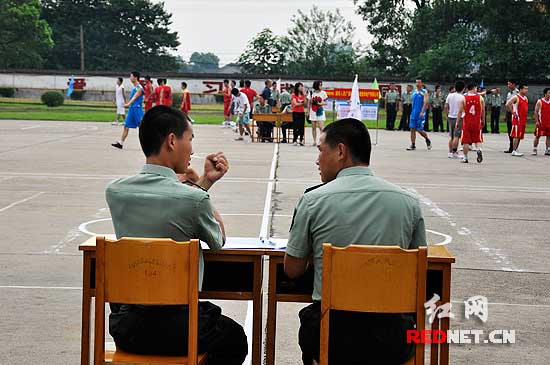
245,119
134,117
416,123
227,109
120,109
148,105
518,128
471,134
543,131
454,130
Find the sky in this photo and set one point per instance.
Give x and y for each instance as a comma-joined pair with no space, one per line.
224,27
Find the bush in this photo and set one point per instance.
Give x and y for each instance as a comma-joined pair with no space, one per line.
52,98
7,92
77,95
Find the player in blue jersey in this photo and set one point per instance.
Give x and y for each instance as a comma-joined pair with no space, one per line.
135,109
420,99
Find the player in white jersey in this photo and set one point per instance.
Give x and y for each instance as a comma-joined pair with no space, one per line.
120,100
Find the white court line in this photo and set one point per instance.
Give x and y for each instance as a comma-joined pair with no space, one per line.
32,127
448,239
21,201
40,287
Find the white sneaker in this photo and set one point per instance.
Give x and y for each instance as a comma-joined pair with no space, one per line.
115,122
450,155
456,156
534,153
517,154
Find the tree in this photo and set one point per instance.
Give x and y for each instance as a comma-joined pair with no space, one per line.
264,54
118,35
204,62
321,43
24,37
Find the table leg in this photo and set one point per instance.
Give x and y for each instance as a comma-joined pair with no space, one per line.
445,322
257,312
86,305
271,329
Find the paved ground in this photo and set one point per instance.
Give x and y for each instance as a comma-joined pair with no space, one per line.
52,180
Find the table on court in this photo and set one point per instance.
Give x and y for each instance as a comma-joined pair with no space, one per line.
241,280
281,289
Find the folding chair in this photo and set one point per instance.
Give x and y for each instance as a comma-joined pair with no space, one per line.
375,279
146,271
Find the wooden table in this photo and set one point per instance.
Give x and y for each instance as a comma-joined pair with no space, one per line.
282,289
228,275
278,118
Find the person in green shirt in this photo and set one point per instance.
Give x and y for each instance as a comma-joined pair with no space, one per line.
265,129
275,96
495,102
352,207
286,99
391,99
156,204
436,103
406,108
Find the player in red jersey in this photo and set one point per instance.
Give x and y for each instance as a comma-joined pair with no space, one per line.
166,94
472,111
149,93
518,105
542,117
158,89
227,100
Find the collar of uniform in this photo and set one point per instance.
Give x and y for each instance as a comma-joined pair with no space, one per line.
159,170
356,170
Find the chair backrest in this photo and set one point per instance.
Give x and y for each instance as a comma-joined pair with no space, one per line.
146,271
376,279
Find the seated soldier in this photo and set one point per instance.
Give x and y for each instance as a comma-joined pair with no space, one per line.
352,207
265,129
155,204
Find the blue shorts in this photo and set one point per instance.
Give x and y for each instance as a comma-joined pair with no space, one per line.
245,119
133,118
415,122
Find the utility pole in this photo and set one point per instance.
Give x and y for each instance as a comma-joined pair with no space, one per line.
81,48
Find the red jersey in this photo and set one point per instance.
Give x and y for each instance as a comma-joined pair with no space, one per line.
521,108
157,95
166,95
250,94
227,95
472,111
185,102
545,113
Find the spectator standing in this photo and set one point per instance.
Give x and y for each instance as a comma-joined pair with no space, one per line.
298,113
406,107
317,102
275,100
436,102
495,103
185,106
390,105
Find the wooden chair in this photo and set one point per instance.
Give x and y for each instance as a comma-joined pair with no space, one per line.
151,272
376,279
287,118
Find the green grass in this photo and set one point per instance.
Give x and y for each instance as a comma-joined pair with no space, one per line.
97,111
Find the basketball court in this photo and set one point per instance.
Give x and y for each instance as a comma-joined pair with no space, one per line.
494,217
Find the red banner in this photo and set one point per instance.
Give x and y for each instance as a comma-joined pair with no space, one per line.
345,94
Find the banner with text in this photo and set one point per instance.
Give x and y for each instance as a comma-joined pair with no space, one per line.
369,112
345,94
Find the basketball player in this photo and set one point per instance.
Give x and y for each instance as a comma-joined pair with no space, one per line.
518,105
542,117
135,109
418,115
472,110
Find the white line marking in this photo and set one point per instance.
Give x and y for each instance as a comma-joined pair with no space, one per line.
448,239
21,201
494,253
32,127
70,237
40,287
84,226
264,231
